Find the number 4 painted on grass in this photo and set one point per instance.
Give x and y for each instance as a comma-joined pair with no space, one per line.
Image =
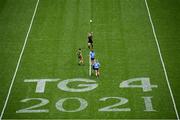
145,84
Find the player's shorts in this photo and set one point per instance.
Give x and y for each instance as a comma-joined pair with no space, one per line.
96,69
89,44
92,58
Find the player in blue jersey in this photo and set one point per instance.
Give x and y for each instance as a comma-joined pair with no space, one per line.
92,56
96,67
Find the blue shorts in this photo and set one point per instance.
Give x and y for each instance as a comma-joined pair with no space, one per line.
92,58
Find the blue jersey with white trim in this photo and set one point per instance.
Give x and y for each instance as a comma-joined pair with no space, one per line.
92,54
96,65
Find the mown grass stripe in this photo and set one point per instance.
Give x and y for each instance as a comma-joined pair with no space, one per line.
19,60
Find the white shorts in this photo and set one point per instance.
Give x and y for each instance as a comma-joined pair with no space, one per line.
89,44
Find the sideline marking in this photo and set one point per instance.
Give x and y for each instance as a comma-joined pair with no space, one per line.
162,61
19,60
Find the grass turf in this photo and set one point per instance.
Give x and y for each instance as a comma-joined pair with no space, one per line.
124,45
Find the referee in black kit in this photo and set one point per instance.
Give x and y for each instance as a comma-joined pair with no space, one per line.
90,40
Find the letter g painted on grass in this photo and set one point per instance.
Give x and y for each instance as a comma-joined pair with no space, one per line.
90,85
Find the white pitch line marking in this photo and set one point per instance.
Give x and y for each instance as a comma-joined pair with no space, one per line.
19,60
162,61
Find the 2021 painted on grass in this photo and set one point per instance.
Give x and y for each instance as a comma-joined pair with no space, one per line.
88,85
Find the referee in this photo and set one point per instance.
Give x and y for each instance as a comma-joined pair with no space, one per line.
90,40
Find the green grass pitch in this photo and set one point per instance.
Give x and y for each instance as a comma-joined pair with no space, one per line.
42,80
